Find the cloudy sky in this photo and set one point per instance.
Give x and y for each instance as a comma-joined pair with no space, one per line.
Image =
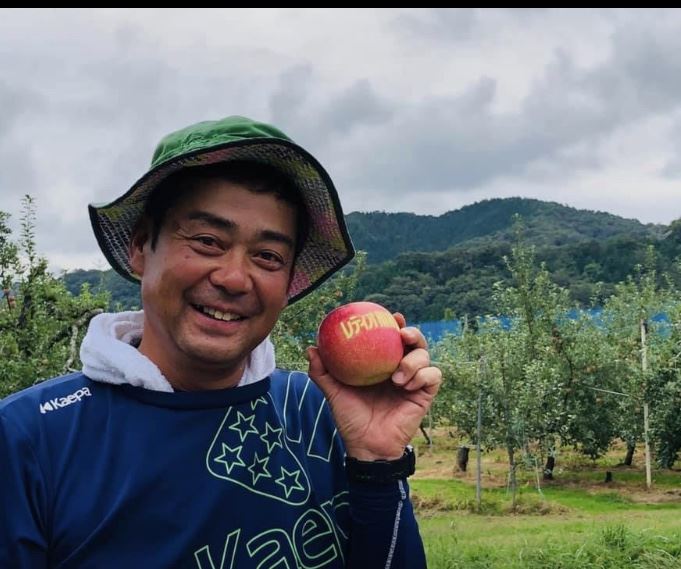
409,110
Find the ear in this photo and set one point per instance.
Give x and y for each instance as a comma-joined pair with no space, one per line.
137,250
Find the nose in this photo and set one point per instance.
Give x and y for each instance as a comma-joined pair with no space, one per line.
232,274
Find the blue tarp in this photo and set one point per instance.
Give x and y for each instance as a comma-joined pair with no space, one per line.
435,330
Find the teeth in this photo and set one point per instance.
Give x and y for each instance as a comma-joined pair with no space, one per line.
226,316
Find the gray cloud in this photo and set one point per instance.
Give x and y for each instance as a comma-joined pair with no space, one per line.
287,101
422,108
441,24
356,107
315,121
671,170
460,143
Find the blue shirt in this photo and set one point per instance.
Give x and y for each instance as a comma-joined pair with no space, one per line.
97,475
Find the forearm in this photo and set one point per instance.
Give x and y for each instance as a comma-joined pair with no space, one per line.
383,531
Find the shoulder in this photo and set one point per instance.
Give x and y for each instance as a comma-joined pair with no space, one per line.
30,405
45,389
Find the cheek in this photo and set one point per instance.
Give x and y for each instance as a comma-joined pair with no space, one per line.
165,284
274,292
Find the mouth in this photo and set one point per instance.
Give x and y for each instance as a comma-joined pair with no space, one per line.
217,314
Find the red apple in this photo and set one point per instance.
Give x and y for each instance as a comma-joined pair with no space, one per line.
360,343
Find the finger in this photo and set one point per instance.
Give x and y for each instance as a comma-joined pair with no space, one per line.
410,364
428,379
400,319
316,367
319,374
413,338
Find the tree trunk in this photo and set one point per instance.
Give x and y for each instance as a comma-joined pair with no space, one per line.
550,465
426,436
462,458
608,477
631,447
511,477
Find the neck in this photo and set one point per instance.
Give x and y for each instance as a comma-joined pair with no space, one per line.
192,376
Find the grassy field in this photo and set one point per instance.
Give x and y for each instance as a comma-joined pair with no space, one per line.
576,521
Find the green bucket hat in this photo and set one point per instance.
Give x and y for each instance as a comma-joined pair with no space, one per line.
328,246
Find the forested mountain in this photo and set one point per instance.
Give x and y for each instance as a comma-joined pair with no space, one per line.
459,281
124,294
385,235
441,267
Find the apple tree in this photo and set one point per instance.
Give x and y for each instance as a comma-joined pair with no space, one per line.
41,323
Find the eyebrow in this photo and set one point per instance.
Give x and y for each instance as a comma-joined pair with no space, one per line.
228,226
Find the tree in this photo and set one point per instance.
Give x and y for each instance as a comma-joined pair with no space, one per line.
41,323
642,318
545,370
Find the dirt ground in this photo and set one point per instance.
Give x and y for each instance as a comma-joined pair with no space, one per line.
573,470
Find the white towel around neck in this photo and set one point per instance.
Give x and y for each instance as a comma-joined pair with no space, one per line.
109,354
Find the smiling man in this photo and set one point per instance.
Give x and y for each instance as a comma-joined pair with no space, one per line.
181,444
215,281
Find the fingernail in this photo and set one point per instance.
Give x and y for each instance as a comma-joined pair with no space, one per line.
398,377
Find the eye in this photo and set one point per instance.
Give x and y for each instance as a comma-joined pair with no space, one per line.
206,243
271,259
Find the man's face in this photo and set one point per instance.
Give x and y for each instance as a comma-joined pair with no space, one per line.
214,285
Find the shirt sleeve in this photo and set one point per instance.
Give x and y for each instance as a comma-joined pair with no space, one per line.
383,530
23,501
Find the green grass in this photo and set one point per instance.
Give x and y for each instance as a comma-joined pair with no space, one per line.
533,542
577,522
635,477
602,502
431,496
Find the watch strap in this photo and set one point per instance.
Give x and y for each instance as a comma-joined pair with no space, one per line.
381,471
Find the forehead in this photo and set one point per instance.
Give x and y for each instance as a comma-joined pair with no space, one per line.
232,200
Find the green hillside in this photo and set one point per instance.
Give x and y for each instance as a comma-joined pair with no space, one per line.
432,268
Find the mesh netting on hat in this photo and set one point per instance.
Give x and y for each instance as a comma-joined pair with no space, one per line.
326,249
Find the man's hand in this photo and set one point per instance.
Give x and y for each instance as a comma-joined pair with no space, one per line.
377,422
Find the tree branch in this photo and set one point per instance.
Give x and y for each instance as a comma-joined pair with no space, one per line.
74,335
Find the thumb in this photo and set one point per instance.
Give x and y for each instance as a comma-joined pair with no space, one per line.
319,374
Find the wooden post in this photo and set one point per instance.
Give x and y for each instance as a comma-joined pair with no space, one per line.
478,445
646,409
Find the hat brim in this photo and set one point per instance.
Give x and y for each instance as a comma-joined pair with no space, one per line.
327,248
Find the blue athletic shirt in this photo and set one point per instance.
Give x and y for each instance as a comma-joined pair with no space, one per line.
101,476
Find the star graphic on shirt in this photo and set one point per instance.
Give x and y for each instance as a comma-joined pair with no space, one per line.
255,402
259,468
244,426
289,481
271,437
230,457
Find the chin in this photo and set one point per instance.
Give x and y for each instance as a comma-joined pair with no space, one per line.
215,354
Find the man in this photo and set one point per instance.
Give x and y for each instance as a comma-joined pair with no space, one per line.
181,444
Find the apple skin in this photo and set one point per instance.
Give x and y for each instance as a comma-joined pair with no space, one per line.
360,343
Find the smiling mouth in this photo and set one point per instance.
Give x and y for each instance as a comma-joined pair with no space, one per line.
217,315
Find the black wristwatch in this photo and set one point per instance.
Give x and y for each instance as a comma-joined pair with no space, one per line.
381,471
